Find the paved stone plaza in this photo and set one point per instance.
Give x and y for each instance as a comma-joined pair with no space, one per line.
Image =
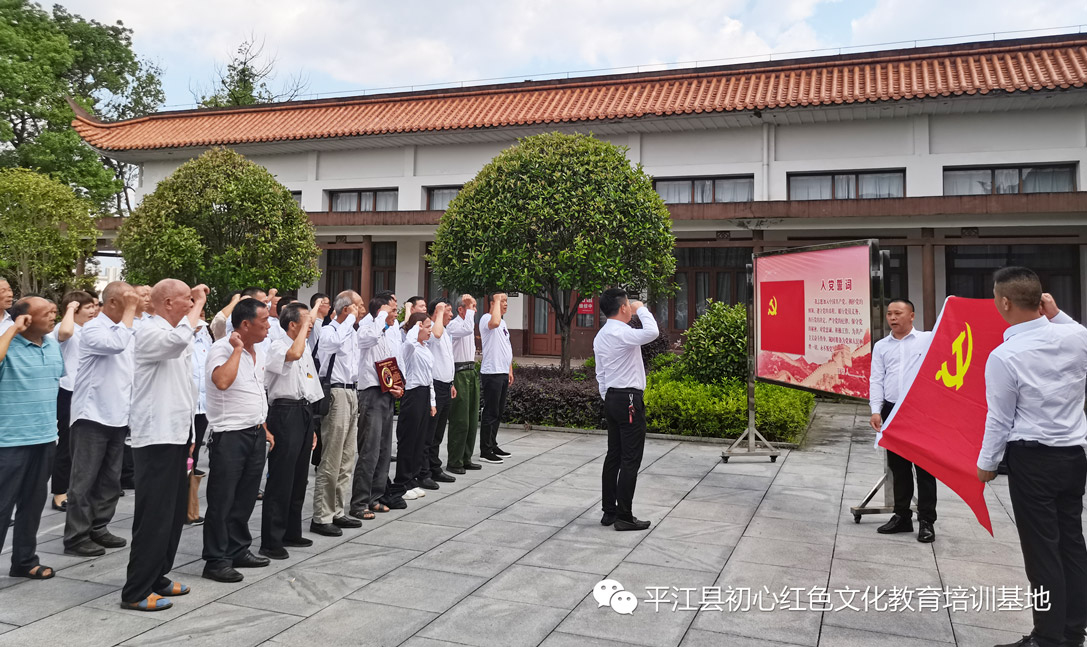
508,557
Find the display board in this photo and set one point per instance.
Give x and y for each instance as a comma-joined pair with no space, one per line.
814,323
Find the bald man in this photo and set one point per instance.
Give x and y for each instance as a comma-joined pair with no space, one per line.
30,370
101,404
163,405
6,298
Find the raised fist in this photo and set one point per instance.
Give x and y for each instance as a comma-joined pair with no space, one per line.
73,306
236,340
323,306
22,322
235,299
200,292
272,294
636,305
1049,306
131,299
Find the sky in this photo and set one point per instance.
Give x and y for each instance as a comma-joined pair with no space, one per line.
346,47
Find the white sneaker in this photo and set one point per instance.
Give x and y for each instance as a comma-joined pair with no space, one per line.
410,495
419,492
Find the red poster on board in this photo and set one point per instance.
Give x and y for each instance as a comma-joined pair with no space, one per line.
585,307
782,313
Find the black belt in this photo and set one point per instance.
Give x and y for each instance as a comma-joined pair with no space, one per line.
464,366
286,402
443,382
892,404
343,385
635,391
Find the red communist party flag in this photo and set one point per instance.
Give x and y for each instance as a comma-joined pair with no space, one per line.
940,423
781,310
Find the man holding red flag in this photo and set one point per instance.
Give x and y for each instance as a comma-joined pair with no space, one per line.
1035,391
894,358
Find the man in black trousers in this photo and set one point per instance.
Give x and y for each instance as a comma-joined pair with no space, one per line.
496,376
441,347
1034,387
237,409
293,388
620,374
163,404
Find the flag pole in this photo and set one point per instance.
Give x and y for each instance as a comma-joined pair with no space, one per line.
751,434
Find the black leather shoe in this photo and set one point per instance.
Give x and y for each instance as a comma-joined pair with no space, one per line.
107,539
1025,641
1072,642
897,523
346,522
633,524
501,452
297,542
86,549
274,553
456,470
397,504
925,533
62,506
472,466
326,529
222,574
491,458
607,519
442,477
249,560
428,484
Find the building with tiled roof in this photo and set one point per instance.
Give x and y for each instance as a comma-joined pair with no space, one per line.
960,159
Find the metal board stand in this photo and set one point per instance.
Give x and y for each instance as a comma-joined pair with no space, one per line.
751,434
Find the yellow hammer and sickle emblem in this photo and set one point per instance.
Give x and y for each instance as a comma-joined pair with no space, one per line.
961,365
773,306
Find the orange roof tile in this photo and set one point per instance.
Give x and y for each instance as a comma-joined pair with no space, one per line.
977,68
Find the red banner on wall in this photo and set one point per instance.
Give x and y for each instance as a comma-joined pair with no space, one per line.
940,423
781,310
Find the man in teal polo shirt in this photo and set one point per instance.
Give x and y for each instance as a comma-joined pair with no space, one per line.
30,370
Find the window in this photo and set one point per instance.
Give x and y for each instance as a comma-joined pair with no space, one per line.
703,273
848,186
970,270
383,266
383,200
896,276
438,198
706,190
344,270
297,197
1002,180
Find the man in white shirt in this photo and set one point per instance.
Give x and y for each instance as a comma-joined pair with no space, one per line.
1034,388
293,387
496,374
237,409
895,359
620,374
101,402
163,402
78,308
338,353
464,409
7,299
379,339
202,342
441,348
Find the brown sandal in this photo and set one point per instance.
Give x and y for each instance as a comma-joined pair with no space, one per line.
379,507
368,515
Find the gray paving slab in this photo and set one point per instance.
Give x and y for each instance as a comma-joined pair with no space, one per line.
360,560
675,553
33,600
348,623
469,559
698,531
776,552
576,556
699,638
402,533
296,591
450,514
217,624
96,628
546,587
497,532
486,622
542,514
419,588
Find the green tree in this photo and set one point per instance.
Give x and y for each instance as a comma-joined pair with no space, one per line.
48,57
46,231
221,220
245,80
715,346
556,216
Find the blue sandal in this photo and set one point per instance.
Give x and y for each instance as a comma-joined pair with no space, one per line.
153,602
175,588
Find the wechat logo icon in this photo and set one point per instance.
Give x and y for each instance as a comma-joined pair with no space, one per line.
609,593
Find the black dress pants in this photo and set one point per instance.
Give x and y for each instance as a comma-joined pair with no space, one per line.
411,428
288,472
162,499
235,470
436,429
495,388
902,470
95,488
62,458
1046,486
200,426
626,443
23,474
